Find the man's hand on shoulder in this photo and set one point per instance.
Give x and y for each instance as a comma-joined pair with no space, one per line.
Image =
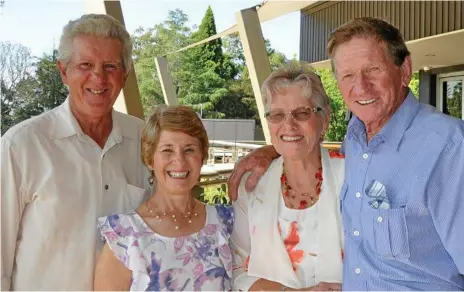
257,162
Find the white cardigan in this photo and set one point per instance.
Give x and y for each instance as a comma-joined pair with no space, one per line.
256,234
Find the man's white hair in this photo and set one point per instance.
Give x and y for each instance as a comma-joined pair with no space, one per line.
99,25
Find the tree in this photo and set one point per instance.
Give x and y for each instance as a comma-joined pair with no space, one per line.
15,63
454,101
43,92
6,105
159,40
51,92
15,67
210,55
241,103
33,93
337,125
205,69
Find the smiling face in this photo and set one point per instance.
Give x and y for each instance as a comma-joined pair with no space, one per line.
94,74
295,139
372,86
177,162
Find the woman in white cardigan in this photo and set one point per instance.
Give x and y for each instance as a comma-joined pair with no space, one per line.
288,233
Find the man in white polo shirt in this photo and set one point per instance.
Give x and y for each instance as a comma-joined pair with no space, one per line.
63,169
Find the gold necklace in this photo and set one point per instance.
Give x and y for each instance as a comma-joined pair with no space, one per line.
187,215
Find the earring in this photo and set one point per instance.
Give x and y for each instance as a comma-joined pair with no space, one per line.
151,179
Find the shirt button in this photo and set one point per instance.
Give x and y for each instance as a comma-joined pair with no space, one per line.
365,155
380,219
106,187
356,233
357,271
358,195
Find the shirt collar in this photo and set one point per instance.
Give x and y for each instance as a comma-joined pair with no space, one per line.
68,125
392,132
356,129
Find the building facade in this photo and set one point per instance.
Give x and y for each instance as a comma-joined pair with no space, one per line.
432,30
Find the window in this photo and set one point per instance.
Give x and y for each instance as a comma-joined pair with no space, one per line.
450,95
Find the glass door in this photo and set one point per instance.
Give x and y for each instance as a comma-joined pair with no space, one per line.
450,95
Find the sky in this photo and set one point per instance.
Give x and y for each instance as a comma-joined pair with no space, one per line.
37,24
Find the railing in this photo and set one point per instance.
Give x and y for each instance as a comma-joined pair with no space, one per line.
223,155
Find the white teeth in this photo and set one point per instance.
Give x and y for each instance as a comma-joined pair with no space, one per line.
291,138
364,102
97,91
178,174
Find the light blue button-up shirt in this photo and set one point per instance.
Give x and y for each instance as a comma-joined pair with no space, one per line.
417,240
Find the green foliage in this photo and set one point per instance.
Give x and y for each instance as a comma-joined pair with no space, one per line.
212,77
7,105
159,40
215,195
33,93
414,84
15,67
337,126
205,69
240,103
454,102
43,92
51,92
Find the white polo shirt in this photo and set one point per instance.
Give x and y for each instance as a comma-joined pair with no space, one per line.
55,182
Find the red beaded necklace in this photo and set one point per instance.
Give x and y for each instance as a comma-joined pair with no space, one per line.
303,200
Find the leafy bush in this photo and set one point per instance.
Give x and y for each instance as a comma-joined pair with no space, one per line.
215,195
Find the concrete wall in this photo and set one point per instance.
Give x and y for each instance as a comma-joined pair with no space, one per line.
230,130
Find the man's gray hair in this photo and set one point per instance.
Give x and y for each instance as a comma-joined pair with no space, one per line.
99,25
299,73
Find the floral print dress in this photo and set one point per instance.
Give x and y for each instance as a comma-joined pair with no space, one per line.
200,261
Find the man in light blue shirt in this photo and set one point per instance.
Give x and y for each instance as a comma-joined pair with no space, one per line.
418,241
403,198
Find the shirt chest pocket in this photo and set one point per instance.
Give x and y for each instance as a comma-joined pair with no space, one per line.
391,233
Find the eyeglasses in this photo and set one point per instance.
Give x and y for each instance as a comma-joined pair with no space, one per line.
300,114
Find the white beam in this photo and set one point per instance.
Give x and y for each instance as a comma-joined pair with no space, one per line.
256,58
128,101
169,91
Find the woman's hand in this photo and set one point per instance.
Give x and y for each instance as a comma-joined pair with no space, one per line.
257,162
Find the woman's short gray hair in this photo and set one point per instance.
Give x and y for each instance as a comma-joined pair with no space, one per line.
299,73
99,25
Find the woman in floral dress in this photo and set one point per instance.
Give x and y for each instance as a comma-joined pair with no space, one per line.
172,241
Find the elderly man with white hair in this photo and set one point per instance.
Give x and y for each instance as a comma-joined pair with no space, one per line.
65,168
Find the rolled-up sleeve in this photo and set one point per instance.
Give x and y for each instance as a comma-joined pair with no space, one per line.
240,242
445,201
12,209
